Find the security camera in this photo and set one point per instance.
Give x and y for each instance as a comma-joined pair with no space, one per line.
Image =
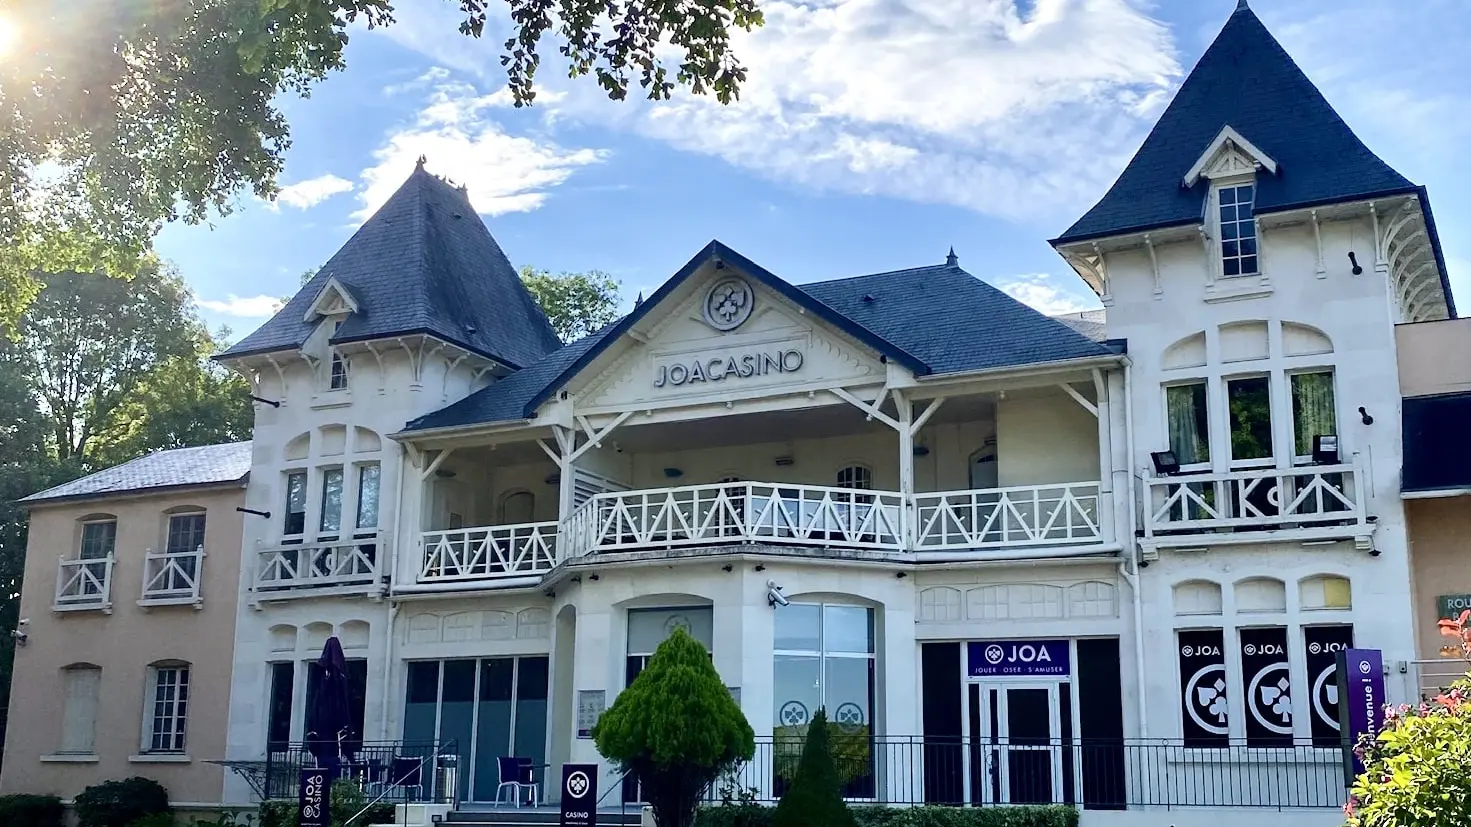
774,597
20,637
25,620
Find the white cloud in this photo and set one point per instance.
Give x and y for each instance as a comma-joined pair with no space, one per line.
246,307
968,102
504,173
304,195
1040,293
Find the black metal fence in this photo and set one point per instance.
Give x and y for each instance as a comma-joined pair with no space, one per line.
397,772
1101,775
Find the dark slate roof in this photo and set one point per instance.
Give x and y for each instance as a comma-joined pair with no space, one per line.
1245,80
205,465
424,263
1092,324
936,320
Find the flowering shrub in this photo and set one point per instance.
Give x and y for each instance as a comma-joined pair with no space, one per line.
1417,772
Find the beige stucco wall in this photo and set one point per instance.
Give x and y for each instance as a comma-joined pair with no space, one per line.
1440,559
123,644
1434,357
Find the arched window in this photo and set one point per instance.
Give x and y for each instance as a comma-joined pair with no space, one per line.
166,707
518,508
857,477
985,472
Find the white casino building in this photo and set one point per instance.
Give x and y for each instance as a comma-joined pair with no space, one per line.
1029,560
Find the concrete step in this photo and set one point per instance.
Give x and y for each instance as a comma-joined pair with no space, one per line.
485,816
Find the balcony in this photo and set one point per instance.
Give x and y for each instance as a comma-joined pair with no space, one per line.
329,567
494,553
84,585
1311,503
172,579
1018,517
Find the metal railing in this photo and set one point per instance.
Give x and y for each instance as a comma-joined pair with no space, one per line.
745,512
488,552
349,564
172,577
1031,515
397,772
1263,498
84,584
1094,774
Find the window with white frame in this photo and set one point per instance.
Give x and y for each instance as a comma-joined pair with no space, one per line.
294,522
857,477
1237,227
339,364
1314,412
185,534
166,716
369,475
330,524
99,537
1249,404
81,686
1188,417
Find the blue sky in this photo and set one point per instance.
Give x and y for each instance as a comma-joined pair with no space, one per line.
872,135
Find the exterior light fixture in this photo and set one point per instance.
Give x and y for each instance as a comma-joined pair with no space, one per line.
673,473
921,450
1325,449
1165,463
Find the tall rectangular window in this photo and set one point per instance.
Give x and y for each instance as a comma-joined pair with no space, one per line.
1238,231
1313,411
294,523
331,521
1249,400
278,721
368,477
169,706
339,365
1189,423
98,539
81,687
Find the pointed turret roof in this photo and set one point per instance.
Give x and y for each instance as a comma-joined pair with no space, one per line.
424,263
1246,81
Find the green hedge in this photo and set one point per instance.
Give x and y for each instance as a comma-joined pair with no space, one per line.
755,815
31,811
120,803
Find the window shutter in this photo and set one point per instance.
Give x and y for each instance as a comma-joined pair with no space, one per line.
79,720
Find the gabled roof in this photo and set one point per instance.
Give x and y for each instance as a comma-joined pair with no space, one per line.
424,263
935,320
177,468
1246,81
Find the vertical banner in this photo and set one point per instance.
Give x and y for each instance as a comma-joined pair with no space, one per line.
1203,697
314,799
579,795
1268,682
1323,643
1361,702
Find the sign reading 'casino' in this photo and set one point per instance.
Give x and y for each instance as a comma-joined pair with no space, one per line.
722,366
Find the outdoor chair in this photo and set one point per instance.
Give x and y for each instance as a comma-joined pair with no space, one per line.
516,774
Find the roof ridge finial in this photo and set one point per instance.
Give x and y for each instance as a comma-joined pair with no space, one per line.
951,259
419,164
1242,6
639,299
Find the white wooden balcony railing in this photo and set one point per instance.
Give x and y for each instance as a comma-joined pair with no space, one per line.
172,579
1308,497
489,553
744,512
84,584
349,565
1033,515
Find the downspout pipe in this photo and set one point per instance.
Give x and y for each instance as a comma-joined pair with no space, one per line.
1131,545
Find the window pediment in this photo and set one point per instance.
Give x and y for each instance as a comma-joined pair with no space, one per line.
333,300
1229,155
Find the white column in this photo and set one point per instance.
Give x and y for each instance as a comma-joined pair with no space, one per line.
906,467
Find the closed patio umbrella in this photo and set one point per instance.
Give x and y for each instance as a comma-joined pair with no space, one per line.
329,720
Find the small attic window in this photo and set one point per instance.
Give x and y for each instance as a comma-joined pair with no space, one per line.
338,380
1237,230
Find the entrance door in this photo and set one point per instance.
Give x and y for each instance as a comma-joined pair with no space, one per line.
1016,735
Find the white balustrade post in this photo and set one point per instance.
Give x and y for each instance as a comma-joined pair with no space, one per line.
906,470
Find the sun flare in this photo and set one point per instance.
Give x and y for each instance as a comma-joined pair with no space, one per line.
7,36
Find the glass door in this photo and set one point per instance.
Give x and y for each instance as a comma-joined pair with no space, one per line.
1016,733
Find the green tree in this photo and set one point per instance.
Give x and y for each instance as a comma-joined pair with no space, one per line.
116,117
575,303
815,798
90,341
1415,769
676,729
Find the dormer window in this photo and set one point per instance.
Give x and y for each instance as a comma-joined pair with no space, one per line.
1237,230
338,379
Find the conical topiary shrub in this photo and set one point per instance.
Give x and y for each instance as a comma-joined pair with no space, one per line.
677,729
815,798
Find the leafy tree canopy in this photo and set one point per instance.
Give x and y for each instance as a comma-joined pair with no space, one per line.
677,729
575,303
116,117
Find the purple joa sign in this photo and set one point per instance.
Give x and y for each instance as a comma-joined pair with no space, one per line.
1361,701
1018,658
